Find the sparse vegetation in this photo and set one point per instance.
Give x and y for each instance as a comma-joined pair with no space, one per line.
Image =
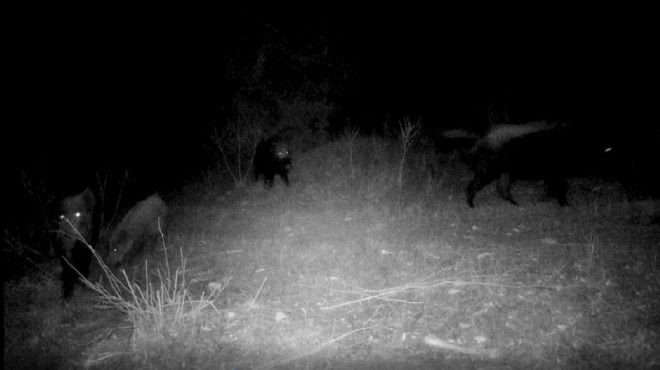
236,145
352,267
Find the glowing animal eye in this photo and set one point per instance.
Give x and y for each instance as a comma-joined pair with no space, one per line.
77,214
61,217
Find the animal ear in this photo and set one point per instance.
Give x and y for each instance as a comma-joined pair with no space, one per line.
89,198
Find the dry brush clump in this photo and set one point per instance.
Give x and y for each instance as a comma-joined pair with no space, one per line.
374,167
236,145
159,306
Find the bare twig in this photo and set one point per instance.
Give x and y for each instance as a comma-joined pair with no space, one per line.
491,353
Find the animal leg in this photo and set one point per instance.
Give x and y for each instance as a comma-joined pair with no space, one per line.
556,188
479,181
285,177
504,187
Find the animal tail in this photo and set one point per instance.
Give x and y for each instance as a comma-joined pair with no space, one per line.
501,134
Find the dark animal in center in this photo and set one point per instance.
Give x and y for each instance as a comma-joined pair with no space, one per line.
75,235
272,157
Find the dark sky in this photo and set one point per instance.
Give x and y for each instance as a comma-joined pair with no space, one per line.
148,89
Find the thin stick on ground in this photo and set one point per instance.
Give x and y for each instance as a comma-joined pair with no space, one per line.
254,301
308,351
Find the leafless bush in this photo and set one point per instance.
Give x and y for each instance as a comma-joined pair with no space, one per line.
236,143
